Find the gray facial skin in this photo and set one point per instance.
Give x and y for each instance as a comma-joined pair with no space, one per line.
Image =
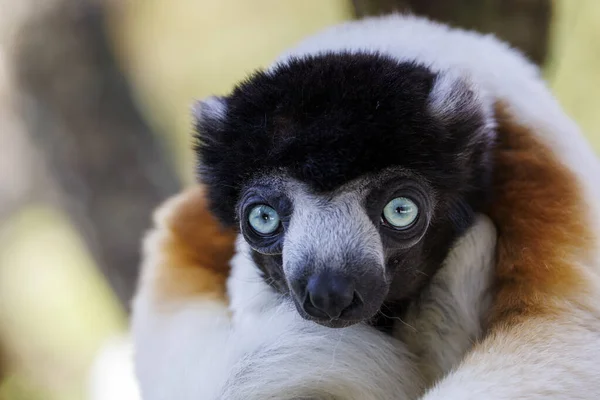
335,254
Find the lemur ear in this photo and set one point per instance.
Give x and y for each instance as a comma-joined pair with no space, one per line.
211,139
209,114
458,103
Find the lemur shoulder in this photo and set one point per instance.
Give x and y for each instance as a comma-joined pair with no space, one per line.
351,173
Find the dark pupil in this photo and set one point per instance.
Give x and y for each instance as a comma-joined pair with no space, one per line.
401,210
265,217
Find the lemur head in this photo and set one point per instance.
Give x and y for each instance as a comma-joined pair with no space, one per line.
349,176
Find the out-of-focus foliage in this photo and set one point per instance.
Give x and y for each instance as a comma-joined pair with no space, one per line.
55,309
574,67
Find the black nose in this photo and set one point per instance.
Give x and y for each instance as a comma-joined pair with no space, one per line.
328,294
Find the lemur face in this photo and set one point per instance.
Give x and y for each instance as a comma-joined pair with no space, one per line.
349,175
337,253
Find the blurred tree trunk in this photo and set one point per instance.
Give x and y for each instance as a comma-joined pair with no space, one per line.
110,170
524,24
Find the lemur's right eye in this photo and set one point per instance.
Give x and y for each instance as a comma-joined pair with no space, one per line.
264,219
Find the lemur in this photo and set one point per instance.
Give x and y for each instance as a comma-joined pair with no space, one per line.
350,172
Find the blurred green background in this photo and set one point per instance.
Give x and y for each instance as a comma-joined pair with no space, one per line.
56,309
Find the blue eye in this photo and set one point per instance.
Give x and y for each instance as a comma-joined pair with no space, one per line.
264,219
401,212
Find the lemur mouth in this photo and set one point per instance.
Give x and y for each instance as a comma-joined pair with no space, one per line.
335,323
345,320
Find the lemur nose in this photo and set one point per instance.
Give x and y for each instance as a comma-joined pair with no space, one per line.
328,294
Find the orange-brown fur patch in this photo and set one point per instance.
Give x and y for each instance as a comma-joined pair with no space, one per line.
539,212
194,251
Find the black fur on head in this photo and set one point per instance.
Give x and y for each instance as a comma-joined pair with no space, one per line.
328,119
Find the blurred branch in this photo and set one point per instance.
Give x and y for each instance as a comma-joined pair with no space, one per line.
524,24
22,176
110,168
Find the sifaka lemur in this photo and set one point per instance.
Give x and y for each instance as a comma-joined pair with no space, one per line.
381,177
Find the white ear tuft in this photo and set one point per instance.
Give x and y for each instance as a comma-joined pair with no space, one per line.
212,109
455,98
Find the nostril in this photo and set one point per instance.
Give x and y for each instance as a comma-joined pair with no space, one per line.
312,310
357,301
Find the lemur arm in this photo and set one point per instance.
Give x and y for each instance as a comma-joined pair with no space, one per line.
442,324
543,340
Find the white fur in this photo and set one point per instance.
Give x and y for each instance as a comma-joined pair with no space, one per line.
447,317
267,351
212,108
554,365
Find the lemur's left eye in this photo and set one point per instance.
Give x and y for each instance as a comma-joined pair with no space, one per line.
400,213
264,219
